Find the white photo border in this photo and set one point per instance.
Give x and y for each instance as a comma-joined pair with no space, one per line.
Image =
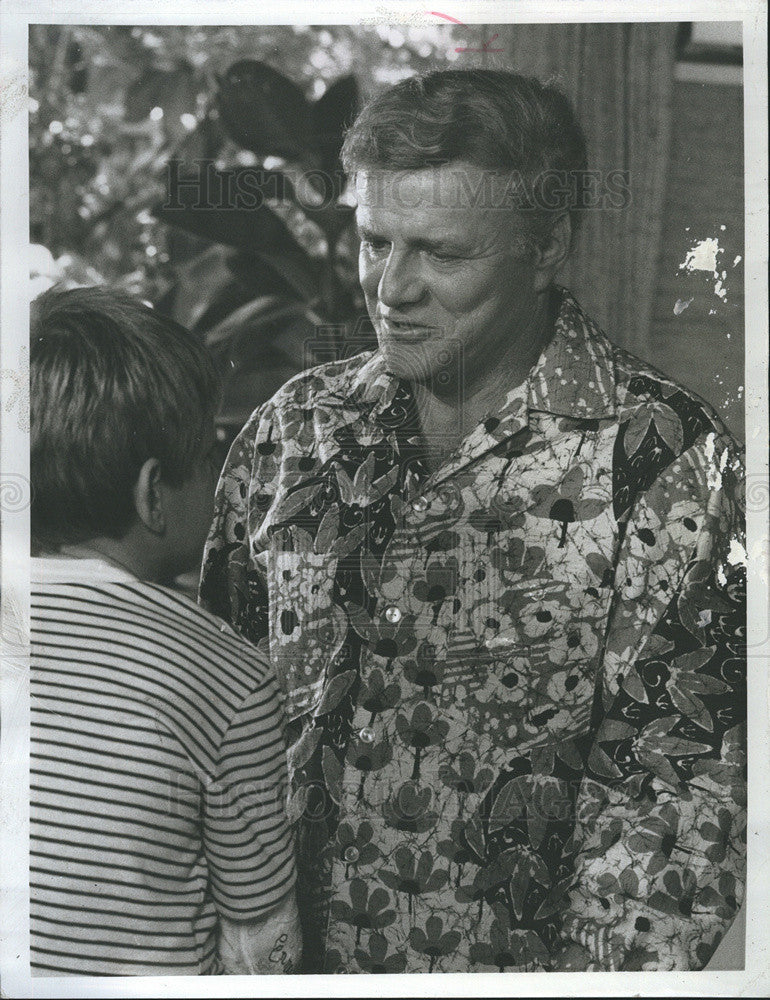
15,18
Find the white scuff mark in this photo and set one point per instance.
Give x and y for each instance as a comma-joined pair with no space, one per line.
737,556
715,466
737,260
721,576
702,256
680,305
712,312
723,227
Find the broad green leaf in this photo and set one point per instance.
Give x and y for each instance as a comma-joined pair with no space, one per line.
335,691
694,660
295,502
632,684
600,763
636,430
332,771
474,836
689,704
598,564
327,530
669,426
657,764
264,111
614,729
657,646
304,748
510,804
345,544
568,752
629,882
536,826
555,900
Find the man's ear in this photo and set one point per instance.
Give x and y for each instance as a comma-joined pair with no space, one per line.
148,497
551,255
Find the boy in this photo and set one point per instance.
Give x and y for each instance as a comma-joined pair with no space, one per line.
159,843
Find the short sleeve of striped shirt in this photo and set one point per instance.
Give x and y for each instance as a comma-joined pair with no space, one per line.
157,777
247,842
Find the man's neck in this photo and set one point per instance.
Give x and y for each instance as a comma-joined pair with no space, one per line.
447,419
118,552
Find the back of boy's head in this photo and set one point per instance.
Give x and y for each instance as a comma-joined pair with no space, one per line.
112,383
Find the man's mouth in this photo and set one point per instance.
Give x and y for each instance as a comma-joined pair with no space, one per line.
406,330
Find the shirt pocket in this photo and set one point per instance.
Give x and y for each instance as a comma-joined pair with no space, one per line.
307,628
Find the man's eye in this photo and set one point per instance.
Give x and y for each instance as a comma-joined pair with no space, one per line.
443,256
373,244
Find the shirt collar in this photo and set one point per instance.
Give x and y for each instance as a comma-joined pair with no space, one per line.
49,570
574,376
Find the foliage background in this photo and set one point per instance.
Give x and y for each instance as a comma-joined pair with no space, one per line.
98,144
110,105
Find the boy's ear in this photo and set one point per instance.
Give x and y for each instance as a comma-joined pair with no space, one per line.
148,497
552,254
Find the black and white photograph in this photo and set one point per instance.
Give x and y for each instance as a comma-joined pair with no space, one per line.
384,499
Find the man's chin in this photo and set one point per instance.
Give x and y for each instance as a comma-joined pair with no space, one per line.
406,364
422,361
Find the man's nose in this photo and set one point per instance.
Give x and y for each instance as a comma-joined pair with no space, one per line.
400,282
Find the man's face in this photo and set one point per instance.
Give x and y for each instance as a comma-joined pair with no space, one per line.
447,275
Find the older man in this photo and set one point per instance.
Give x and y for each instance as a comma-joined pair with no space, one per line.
497,564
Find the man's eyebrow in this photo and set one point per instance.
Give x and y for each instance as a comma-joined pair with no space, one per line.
421,243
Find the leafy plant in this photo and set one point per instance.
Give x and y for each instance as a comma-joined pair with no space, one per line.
296,303
119,112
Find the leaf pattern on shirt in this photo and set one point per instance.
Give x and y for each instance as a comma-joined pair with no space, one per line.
514,688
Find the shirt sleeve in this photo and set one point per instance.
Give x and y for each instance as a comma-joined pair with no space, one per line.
233,585
246,835
661,813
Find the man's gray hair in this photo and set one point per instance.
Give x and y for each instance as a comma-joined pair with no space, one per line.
494,119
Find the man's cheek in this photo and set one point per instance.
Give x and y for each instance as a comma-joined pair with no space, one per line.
369,276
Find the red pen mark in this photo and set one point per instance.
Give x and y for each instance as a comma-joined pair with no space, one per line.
485,46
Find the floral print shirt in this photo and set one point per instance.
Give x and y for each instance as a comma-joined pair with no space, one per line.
514,687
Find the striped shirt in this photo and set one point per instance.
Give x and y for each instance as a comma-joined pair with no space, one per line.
157,777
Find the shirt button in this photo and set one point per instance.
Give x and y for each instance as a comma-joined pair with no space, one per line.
351,854
393,615
419,504
367,734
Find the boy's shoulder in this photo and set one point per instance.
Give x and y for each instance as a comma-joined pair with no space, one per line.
164,627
